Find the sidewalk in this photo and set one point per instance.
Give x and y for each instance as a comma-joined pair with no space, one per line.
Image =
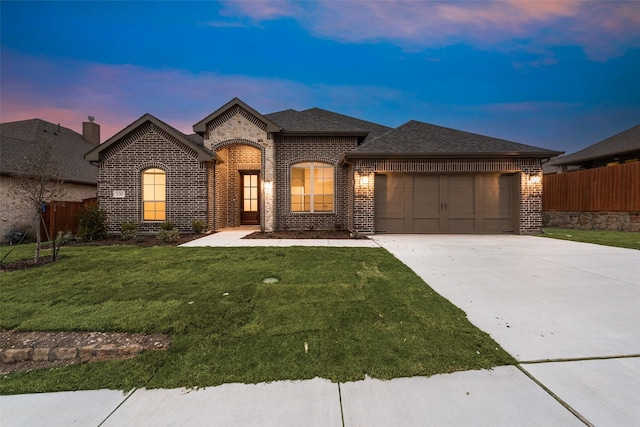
546,301
234,238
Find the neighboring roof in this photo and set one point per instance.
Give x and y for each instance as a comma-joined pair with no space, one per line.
417,139
622,143
296,122
18,140
201,127
192,141
375,130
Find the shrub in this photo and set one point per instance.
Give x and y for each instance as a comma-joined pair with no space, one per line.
93,224
198,225
167,225
14,236
129,230
168,232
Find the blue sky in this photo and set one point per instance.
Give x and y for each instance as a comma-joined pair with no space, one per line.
556,74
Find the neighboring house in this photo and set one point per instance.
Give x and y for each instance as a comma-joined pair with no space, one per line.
18,141
316,169
623,147
597,187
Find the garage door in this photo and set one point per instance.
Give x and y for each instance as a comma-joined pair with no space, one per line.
463,203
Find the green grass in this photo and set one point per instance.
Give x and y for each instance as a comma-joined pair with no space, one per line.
361,311
621,239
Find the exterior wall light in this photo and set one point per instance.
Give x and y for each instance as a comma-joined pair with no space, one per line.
268,186
364,181
535,178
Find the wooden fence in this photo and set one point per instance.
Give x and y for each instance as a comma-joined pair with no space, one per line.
610,188
63,216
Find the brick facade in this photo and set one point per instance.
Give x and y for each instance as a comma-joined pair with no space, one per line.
294,149
121,168
241,142
530,195
211,190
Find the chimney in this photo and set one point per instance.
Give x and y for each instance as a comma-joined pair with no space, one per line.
91,131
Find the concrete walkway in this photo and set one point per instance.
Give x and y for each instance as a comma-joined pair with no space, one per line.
567,311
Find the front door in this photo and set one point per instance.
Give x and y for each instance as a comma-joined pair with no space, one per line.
249,198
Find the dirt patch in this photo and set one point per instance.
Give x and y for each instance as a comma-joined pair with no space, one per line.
303,234
26,351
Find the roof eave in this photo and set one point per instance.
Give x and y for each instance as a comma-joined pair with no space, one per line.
203,154
426,155
581,160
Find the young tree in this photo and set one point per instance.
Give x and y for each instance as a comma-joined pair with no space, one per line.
38,180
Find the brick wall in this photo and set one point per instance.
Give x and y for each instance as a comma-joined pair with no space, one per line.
242,143
236,157
121,169
290,150
530,195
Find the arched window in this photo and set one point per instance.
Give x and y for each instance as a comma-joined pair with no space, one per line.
154,195
312,187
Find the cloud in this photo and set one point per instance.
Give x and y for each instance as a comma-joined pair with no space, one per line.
604,29
117,95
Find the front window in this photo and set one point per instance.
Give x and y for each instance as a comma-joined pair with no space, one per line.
312,187
154,198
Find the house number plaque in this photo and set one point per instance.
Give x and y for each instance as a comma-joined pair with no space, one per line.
118,194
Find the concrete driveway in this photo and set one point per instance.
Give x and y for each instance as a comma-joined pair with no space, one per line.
569,312
541,299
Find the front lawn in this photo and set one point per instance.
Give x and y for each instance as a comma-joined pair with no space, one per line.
621,239
360,311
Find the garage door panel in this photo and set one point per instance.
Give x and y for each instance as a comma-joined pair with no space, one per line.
496,225
497,195
426,203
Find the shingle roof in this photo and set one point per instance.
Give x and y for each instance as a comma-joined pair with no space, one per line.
375,130
625,142
192,141
291,121
19,139
422,139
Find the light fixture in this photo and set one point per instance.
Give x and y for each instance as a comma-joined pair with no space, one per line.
535,178
268,185
364,180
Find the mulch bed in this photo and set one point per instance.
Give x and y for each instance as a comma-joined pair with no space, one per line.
301,234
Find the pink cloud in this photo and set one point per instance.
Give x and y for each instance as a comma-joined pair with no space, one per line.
604,29
117,95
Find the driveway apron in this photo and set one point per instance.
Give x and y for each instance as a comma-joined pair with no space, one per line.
568,311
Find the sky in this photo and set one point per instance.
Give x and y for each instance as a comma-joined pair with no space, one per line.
560,74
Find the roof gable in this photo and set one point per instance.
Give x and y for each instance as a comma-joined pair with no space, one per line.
193,142
201,127
19,139
422,139
624,142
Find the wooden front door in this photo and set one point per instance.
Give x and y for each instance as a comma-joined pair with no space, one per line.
250,198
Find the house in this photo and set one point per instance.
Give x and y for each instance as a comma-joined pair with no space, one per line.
317,169
596,188
18,141
623,147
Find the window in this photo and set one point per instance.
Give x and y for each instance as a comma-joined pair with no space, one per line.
312,187
154,190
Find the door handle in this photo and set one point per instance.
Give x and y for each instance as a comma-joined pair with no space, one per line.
441,206
445,206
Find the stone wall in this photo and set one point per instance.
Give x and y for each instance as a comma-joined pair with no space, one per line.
613,221
16,214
